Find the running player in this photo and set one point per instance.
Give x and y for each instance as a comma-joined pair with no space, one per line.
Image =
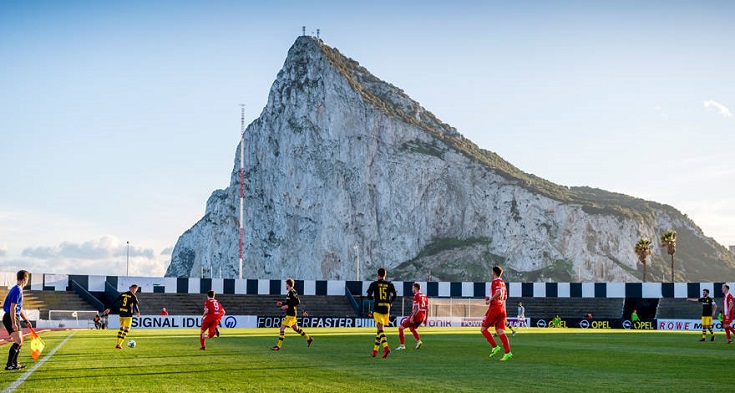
128,305
213,313
292,301
708,311
728,312
383,293
418,316
495,315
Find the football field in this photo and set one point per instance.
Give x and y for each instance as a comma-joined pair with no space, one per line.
451,360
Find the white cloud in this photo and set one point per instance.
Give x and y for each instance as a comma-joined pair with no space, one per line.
106,255
723,110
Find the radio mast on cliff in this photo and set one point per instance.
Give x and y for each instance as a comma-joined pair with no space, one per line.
242,179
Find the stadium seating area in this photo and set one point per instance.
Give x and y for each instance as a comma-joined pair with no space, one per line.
339,306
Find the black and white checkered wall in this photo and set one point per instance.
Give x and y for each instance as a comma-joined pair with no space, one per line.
650,290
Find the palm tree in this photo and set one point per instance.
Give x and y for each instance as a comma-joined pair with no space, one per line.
668,240
643,250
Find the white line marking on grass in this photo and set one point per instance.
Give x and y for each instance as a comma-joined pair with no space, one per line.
28,373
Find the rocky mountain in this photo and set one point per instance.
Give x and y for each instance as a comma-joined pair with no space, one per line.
345,173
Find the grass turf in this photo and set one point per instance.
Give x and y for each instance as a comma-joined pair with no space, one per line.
452,359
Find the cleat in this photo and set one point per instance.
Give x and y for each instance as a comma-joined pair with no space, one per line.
713,338
275,348
494,351
203,349
506,356
386,351
10,367
118,346
419,344
216,332
514,333
701,340
401,347
374,353
309,341
729,341
19,366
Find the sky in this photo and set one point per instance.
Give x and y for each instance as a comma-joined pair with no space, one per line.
119,119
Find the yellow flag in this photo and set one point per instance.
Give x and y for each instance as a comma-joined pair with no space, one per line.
37,345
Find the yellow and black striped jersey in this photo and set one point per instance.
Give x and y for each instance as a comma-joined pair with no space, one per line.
128,304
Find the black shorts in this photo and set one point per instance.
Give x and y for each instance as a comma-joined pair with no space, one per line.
9,323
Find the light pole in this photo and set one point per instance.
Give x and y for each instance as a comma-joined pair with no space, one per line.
357,257
127,260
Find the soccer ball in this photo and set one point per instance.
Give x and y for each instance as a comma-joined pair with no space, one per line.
131,343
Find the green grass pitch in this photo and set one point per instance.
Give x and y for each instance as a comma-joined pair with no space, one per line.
451,360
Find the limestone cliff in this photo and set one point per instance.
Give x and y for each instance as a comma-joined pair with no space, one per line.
342,167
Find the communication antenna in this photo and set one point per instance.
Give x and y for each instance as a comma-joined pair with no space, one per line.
317,33
303,30
242,179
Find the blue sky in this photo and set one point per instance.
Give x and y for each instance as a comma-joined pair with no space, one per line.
118,119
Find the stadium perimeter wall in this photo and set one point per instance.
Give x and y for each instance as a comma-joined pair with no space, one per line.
96,283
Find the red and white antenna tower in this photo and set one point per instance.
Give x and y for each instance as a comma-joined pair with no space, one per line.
242,179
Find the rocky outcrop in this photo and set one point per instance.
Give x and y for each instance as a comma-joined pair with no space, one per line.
342,167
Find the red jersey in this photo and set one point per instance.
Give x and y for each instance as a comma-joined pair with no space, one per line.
728,313
498,285
213,309
420,306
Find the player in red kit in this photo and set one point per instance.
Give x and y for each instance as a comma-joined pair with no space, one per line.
213,312
418,316
495,315
728,312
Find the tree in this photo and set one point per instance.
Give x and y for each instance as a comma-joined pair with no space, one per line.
668,240
643,250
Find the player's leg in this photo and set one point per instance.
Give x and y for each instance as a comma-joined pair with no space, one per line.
202,340
125,323
384,339
281,334
303,334
415,333
379,335
503,338
401,335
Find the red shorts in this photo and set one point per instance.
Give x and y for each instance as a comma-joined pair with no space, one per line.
210,324
494,317
418,320
726,321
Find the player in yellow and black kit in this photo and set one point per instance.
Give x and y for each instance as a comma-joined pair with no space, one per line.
292,301
128,305
384,293
708,310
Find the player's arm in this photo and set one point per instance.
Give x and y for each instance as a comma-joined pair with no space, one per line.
714,308
392,293
371,291
496,294
692,300
13,316
25,319
135,306
107,310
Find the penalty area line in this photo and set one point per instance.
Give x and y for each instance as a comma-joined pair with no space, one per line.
28,373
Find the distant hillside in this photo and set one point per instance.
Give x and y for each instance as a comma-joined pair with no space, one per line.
343,167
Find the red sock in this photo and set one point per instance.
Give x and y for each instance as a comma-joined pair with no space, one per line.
504,340
415,334
201,339
400,336
489,338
